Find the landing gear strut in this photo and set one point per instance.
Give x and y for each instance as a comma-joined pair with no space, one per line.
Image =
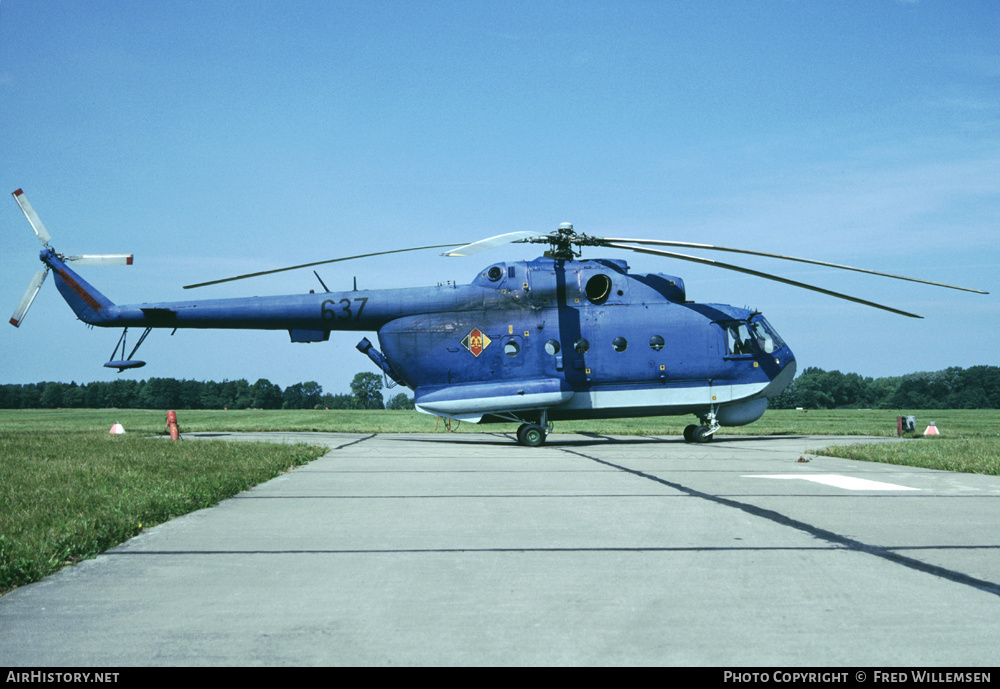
705,432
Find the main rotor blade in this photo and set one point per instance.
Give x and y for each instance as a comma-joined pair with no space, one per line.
768,276
314,263
490,243
32,216
28,298
691,245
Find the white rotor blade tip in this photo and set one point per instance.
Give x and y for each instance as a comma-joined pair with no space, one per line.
101,260
489,243
28,298
32,216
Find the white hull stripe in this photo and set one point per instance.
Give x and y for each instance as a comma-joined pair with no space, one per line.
663,396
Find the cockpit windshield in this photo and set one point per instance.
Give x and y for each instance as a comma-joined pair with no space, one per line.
767,338
751,337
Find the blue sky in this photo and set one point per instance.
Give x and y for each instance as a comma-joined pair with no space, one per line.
214,141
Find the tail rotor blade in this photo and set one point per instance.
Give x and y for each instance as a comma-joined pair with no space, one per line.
28,298
101,260
32,216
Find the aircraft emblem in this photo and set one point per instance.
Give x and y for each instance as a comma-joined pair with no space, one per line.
476,341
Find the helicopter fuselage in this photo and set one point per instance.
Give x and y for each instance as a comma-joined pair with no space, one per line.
526,341
538,340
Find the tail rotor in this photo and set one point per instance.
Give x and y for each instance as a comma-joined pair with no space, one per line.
44,237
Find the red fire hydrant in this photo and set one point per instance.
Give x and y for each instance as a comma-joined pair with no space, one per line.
172,425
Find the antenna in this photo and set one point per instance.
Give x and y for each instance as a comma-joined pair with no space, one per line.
321,281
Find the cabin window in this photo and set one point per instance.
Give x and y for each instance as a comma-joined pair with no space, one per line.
620,344
511,348
552,347
656,342
581,346
598,288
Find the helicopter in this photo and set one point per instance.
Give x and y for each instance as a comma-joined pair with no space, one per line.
532,342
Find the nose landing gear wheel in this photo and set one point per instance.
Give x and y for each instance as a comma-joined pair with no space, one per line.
703,434
698,434
530,435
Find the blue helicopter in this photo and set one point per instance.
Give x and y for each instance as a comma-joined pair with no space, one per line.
531,342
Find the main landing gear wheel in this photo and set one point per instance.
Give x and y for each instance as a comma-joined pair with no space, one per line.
530,435
698,434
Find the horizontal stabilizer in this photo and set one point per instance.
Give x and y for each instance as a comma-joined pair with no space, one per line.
124,364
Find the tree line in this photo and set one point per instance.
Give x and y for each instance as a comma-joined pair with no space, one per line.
977,387
170,393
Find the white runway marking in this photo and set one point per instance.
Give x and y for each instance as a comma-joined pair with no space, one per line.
837,481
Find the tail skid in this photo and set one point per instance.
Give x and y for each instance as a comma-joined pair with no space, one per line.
87,303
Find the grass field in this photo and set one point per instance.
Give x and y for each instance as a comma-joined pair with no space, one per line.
69,490
877,422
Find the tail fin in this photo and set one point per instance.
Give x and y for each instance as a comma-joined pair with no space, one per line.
87,303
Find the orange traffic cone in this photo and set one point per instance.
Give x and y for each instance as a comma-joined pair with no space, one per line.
931,429
117,429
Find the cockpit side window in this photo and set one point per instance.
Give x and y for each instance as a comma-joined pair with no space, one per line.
738,340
